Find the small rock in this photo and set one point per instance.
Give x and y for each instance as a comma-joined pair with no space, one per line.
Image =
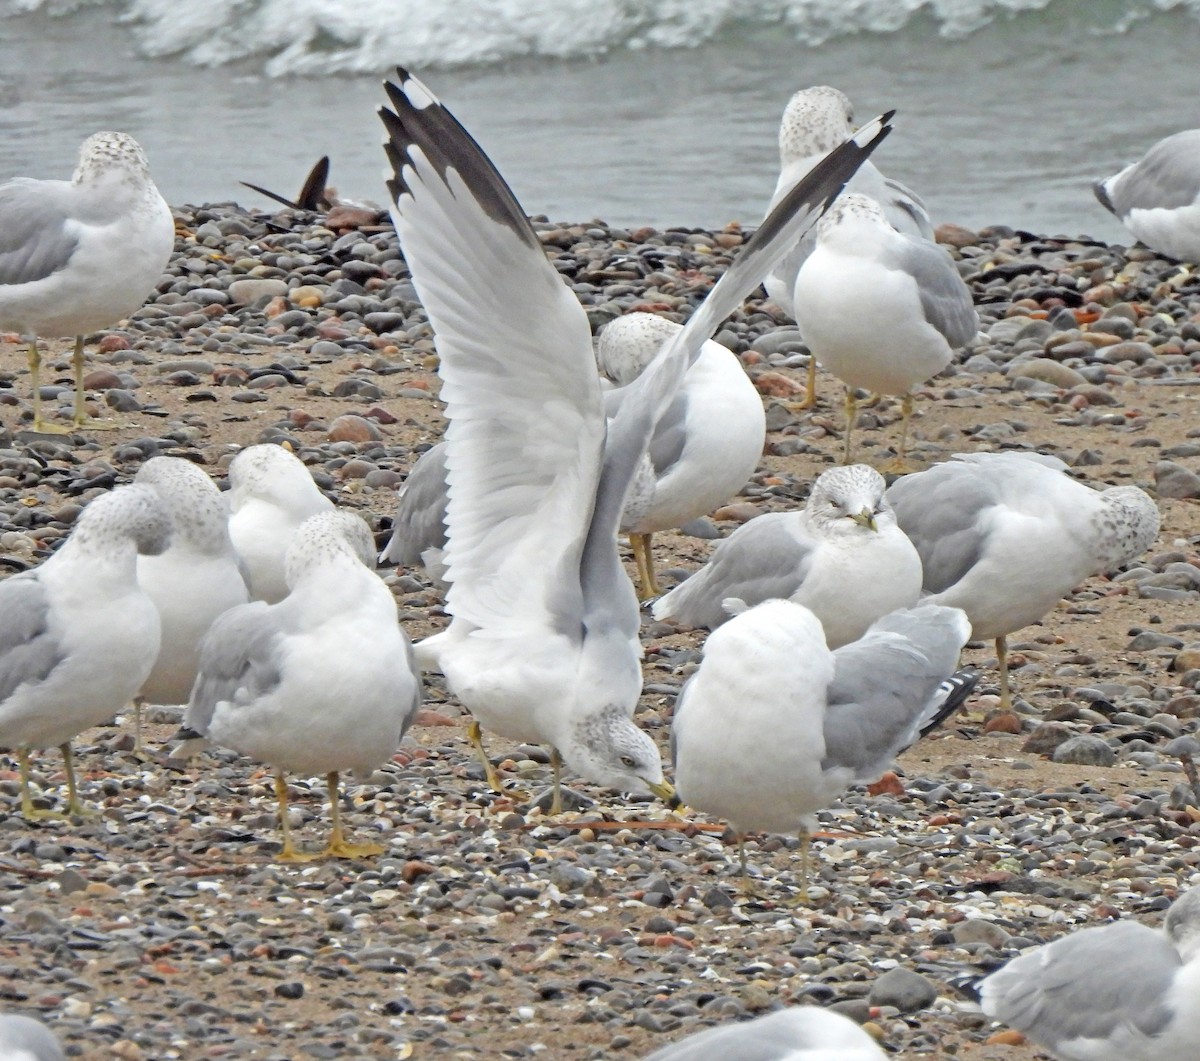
908,991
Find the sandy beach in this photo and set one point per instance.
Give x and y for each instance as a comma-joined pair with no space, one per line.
163,928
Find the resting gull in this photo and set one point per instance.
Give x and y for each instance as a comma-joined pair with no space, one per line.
82,254
197,578
321,682
706,444
815,120
1117,992
842,556
78,636
543,644
774,726
1158,197
878,308
1005,536
27,1039
270,494
798,1033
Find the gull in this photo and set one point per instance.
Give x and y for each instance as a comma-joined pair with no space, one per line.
270,494
1158,197
419,522
706,444
1005,536
774,726
78,636
82,254
798,1033
842,556
816,120
27,1039
322,682
1117,992
878,308
543,643
197,578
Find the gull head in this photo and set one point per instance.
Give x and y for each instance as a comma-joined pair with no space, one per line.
103,153
1182,925
326,537
628,344
607,748
815,120
130,513
851,210
849,500
1126,526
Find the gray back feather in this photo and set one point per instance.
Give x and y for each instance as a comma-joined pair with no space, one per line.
420,519
29,646
1168,177
1086,985
945,298
239,661
34,242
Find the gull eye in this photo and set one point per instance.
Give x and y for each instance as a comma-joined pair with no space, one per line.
627,761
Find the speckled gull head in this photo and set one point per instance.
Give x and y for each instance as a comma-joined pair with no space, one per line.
628,344
815,120
269,473
325,537
849,500
1182,925
198,508
851,208
1127,525
103,153
608,748
131,514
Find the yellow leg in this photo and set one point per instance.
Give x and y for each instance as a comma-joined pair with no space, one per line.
644,558
289,852
1002,661
75,806
851,416
475,736
906,408
81,417
805,866
556,764
28,810
35,375
338,846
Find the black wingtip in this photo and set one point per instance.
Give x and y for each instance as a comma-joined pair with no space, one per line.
419,121
1101,194
312,193
187,733
957,688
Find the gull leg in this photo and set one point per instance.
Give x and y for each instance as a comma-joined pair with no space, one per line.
75,806
289,853
851,416
556,764
747,885
81,417
28,810
1002,661
475,736
901,464
647,583
805,865
35,375
338,846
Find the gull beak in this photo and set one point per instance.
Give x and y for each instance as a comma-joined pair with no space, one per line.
665,791
865,518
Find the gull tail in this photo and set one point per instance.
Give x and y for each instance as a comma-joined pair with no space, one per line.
950,696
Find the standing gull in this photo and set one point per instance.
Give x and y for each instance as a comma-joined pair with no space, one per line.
1118,992
320,683
774,726
1158,197
77,634
798,1033
705,446
880,309
842,556
270,494
816,120
196,579
1005,536
543,644
81,254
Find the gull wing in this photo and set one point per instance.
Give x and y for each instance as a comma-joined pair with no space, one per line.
526,425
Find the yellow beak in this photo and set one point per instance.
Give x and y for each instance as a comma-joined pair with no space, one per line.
665,791
865,518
